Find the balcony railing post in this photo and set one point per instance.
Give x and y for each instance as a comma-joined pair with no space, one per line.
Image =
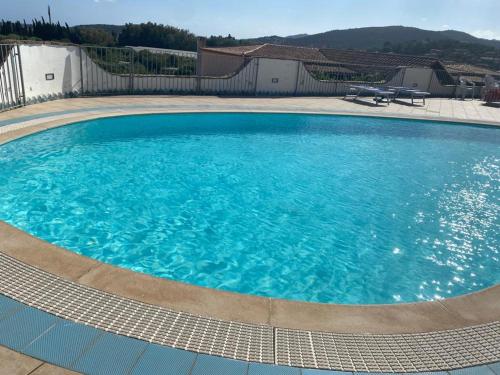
256,76
131,72
81,69
403,76
430,80
21,77
299,63
200,44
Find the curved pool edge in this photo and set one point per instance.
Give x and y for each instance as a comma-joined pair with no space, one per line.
462,311
103,306
472,309
15,130
426,336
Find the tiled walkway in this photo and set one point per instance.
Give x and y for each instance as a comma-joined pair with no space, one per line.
43,337
444,109
98,310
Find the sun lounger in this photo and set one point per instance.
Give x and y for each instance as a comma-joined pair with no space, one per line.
379,95
464,87
408,92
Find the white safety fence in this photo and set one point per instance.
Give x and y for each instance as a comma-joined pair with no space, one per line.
39,72
11,78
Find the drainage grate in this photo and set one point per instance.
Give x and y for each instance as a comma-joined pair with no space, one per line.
82,304
390,353
433,351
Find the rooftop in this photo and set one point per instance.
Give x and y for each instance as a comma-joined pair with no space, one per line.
455,68
273,51
379,59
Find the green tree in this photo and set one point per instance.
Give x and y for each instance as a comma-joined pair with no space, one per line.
158,36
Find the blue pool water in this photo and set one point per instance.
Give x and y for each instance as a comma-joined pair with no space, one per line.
305,207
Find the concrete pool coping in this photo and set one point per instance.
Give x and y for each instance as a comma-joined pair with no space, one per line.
476,309
468,310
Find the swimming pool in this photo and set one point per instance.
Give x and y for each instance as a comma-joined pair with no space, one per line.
306,207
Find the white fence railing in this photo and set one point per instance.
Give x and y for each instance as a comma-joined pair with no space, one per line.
54,71
11,77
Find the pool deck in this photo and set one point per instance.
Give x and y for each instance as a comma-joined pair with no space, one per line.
436,108
442,335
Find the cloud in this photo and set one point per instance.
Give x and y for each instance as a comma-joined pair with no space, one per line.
445,27
104,1
487,34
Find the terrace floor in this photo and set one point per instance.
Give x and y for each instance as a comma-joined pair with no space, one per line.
435,108
17,275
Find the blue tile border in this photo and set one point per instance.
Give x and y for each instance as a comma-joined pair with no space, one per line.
8,307
23,327
110,354
158,359
89,350
479,370
211,365
263,369
495,367
64,343
84,111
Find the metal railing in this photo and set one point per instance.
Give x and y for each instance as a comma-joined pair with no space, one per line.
106,70
142,70
127,71
326,71
12,93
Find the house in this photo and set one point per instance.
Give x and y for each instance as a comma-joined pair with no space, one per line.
419,72
471,73
380,59
331,64
224,61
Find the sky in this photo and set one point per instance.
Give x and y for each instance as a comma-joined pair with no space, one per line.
253,18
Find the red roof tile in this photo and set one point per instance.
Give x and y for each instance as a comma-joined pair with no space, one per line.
272,51
237,51
378,59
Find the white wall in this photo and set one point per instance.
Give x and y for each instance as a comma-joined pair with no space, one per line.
242,82
39,60
277,76
149,83
417,78
259,76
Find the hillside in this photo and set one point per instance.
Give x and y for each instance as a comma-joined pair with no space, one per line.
372,38
449,45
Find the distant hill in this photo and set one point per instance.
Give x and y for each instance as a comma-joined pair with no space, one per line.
447,46
296,36
369,38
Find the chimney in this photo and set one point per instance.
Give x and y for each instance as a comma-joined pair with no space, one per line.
201,42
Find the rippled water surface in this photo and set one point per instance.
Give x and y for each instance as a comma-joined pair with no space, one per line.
313,208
